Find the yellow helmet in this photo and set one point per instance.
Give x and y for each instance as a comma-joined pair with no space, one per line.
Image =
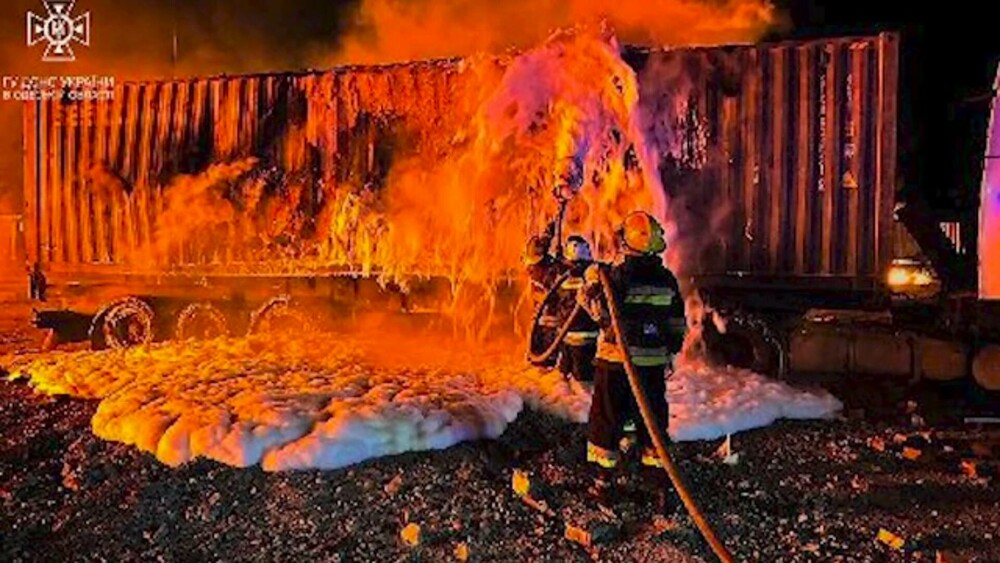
641,233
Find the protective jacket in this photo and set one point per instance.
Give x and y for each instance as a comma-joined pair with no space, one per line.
543,276
651,308
583,330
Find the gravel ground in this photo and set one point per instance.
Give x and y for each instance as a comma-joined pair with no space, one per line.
799,492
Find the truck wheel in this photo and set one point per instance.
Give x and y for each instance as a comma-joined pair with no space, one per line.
278,315
986,368
201,321
748,342
122,324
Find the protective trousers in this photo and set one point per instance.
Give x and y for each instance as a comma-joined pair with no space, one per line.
577,360
613,404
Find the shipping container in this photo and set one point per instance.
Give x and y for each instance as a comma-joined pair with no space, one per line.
788,152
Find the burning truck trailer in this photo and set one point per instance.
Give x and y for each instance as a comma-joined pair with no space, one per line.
778,161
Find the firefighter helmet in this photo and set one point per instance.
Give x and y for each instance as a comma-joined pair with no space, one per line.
535,251
578,249
643,234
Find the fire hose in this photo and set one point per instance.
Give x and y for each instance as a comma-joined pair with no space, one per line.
655,432
542,357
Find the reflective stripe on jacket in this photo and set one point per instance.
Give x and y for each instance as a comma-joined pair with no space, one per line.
581,337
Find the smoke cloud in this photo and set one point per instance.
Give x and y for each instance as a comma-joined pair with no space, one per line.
394,30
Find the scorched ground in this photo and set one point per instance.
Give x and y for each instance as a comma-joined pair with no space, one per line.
800,491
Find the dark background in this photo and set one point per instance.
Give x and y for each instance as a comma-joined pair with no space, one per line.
949,58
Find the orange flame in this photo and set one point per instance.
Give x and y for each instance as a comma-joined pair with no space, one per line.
392,30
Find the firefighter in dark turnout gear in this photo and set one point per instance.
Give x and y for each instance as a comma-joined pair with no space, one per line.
543,271
653,319
579,345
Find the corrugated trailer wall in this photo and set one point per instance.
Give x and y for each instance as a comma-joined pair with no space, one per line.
789,161
96,170
789,151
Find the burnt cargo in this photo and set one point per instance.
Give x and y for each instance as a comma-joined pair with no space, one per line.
789,148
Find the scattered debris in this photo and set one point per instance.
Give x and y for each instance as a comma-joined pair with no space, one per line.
69,478
521,483
969,468
725,452
912,454
811,547
877,444
539,505
527,491
597,534
392,486
578,535
949,557
890,539
411,534
898,438
663,524
462,551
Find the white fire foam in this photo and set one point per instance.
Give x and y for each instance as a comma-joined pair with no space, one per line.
320,402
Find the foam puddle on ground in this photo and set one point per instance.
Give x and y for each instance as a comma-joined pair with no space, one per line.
331,401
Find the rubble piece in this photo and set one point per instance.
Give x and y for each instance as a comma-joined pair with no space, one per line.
912,454
591,535
411,534
462,551
539,505
578,535
69,478
662,524
890,539
949,557
725,452
877,444
392,486
969,468
521,483
898,438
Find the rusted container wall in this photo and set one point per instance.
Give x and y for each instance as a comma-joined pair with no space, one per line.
788,153
96,171
788,164
11,252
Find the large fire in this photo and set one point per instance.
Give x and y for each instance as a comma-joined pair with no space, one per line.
462,199
466,186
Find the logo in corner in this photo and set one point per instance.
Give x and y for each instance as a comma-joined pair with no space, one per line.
59,30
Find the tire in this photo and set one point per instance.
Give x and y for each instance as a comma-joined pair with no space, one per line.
125,323
201,321
280,314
